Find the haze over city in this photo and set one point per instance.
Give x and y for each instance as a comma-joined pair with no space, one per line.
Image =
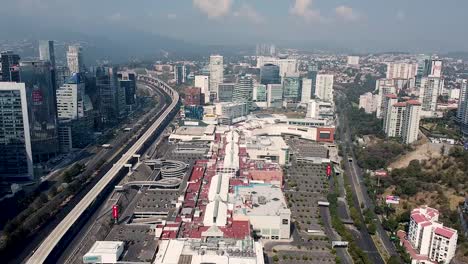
359,26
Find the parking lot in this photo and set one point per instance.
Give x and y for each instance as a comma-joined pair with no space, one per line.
306,184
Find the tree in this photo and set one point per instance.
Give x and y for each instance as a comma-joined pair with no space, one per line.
372,228
275,258
393,260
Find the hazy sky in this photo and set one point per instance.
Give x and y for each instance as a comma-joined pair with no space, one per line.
415,25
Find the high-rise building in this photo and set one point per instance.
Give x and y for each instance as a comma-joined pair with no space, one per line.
203,82
110,95
462,113
243,91
75,59
127,83
226,91
435,69
15,142
10,66
70,98
274,95
384,87
306,93
411,118
401,70
324,87
401,119
270,74
429,92
216,72
180,74
291,89
46,51
260,93
287,67
393,118
428,240
368,102
38,77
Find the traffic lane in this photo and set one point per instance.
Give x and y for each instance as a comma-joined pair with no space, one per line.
342,253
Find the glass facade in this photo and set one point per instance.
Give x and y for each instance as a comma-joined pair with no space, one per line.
15,144
225,92
38,77
10,66
291,89
270,74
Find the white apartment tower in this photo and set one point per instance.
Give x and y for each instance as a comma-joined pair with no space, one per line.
384,87
429,92
392,116
324,87
462,113
216,72
75,59
411,118
306,90
203,82
401,70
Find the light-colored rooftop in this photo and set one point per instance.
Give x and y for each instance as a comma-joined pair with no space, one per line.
258,199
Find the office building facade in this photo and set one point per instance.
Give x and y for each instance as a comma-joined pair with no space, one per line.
306,93
10,66
216,72
226,91
75,59
46,51
270,74
291,89
203,82
180,74
243,91
127,83
274,95
70,98
38,77
16,162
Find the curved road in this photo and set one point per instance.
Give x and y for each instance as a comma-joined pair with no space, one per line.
48,245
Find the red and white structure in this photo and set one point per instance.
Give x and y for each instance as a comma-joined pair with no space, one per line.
428,241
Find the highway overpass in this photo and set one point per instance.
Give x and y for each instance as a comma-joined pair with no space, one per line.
52,241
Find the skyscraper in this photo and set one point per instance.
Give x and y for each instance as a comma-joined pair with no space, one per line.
216,72
384,87
324,87
291,89
410,127
46,51
180,74
127,82
430,87
42,105
109,96
243,90
10,66
225,92
270,74
203,82
15,141
462,113
75,59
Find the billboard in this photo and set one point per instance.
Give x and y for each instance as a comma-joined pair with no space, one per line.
391,199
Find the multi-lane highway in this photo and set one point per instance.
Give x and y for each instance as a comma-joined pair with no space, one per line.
42,253
360,191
